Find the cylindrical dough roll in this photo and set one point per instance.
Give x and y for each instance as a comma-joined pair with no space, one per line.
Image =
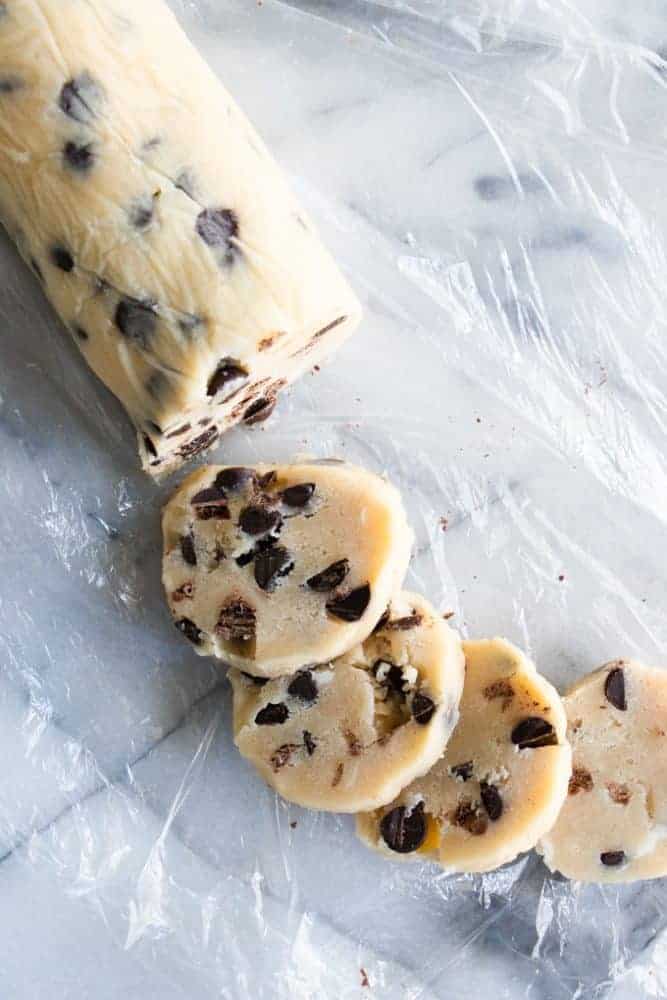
164,233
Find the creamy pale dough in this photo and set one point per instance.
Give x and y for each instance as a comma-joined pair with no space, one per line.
349,735
163,232
613,825
502,779
277,567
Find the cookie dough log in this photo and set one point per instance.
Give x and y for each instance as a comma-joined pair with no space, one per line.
349,735
613,825
164,233
272,568
502,779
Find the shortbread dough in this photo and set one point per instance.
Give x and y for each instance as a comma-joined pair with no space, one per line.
613,825
349,735
163,232
502,780
273,568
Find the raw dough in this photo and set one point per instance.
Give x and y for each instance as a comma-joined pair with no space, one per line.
163,232
613,826
278,567
502,779
349,735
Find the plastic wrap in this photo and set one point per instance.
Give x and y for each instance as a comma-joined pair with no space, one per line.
490,176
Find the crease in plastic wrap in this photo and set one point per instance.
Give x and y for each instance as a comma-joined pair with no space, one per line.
491,177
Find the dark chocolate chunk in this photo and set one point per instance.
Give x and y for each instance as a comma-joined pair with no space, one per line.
214,512
614,689
534,732
256,520
463,771
581,780
329,578
235,479
612,859
219,227
468,816
237,622
403,831
492,801
350,607
406,623
260,410
190,630
298,496
246,558
392,678
136,320
79,156
211,496
303,686
149,446
79,97
188,549
229,370
423,709
257,681
199,444
272,714
179,431
10,84
271,565
309,743
79,332
330,326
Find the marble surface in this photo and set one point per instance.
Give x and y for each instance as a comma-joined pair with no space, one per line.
491,176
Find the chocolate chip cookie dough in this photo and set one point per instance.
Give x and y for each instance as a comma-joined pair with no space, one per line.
163,232
349,735
502,779
613,825
273,568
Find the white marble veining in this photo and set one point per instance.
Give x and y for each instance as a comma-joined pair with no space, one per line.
491,176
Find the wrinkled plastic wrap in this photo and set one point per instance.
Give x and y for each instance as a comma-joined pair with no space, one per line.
491,177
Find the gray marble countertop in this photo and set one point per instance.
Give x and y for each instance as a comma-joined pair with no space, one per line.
491,175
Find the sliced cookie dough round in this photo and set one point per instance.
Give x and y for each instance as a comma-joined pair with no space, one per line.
349,735
273,568
613,825
502,779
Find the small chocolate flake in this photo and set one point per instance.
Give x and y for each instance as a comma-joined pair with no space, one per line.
392,678
614,689
260,410
257,520
329,327
303,686
620,794
309,743
403,831
219,228
350,607
338,776
229,370
79,332
184,593
406,623
271,565
492,801
500,689
237,622
213,512
355,745
136,320
179,431
469,818
423,709
299,495
190,630
272,714
141,214
329,578
188,549
79,157
235,479
199,444
463,771
62,258
365,981
283,755
581,780
149,446
533,733
612,859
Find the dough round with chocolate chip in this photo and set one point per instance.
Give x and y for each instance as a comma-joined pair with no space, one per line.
349,735
273,568
502,779
613,825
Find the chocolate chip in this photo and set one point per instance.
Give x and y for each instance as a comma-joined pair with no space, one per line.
350,607
620,794
217,512
499,689
272,714
10,84
229,370
218,227
62,258
260,410
463,771
219,554
149,446
237,622
256,520
534,732
406,623
190,630
283,755
79,97
338,776
423,709
188,549
492,801
79,332
384,619
581,780
612,859
257,681
468,816
614,689
309,743
179,431
403,831
80,157
199,444
330,326
391,678
234,480
303,686
298,496
271,565
136,320
141,214
186,592
210,497
329,578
